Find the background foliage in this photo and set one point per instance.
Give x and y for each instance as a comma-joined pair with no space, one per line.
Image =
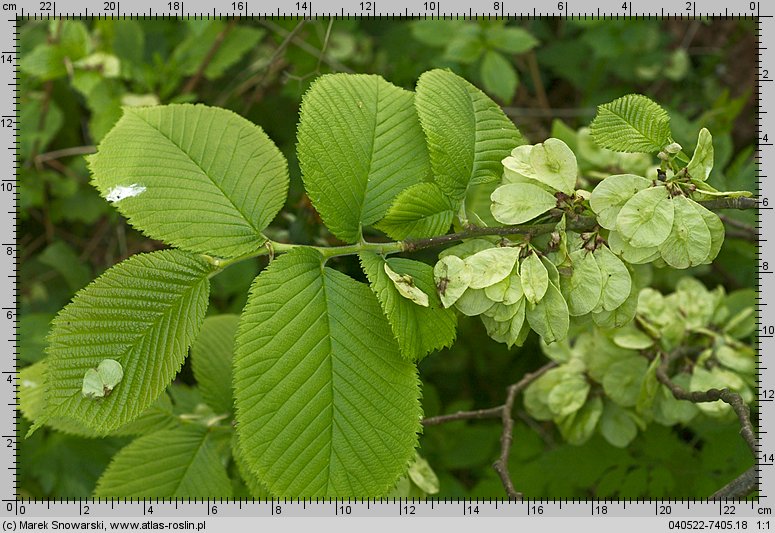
548,74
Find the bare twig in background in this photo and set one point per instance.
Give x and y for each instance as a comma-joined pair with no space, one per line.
64,152
733,399
504,412
742,230
740,487
731,203
257,80
538,85
194,80
306,47
748,481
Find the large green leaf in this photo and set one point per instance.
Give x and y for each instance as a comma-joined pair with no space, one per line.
632,123
420,211
211,361
360,144
467,133
143,313
419,330
181,462
326,405
200,178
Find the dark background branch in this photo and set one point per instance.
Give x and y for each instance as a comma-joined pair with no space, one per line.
504,412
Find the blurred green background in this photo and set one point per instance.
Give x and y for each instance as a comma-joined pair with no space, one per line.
548,74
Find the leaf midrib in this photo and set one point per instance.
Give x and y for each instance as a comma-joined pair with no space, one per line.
245,217
140,338
631,125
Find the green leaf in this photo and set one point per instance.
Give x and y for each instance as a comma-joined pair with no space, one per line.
181,462
360,145
211,361
316,369
143,313
646,218
466,45
516,203
554,164
549,317
702,161
419,330
689,241
617,425
200,178
498,76
418,212
632,123
583,289
612,193
511,40
617,282
534,277
491,266
467,133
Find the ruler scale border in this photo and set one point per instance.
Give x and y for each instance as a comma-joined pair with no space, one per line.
757,511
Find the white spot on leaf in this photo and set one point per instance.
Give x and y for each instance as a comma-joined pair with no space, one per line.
119,192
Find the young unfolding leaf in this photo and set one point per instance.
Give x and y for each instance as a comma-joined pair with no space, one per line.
554,164
491,266
632,123
689,241
200,178
419,330
617,282
645,220
534,277
359,145
420,211
467,133
583,289
702,161
515,203
452,276
100,382
612,193
404,284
